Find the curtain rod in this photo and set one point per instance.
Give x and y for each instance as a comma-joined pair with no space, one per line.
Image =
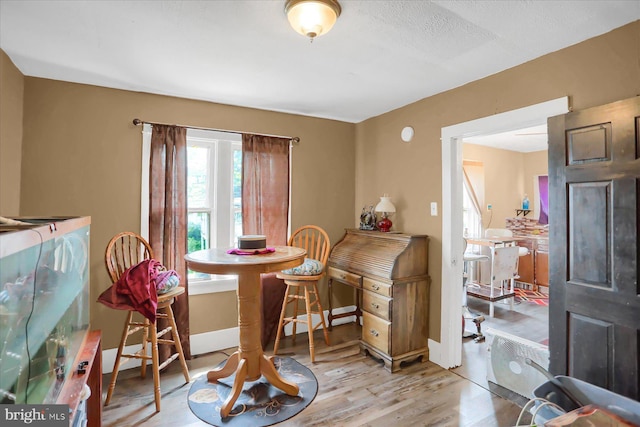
294,139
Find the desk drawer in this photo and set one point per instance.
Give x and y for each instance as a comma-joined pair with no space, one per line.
377,304
375,332
377,286
345,276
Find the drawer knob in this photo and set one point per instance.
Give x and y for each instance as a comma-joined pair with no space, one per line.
374,332
374,305
375,287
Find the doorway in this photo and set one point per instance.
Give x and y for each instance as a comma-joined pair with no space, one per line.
448,353
500,171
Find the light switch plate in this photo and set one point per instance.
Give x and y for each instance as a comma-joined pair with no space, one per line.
434,208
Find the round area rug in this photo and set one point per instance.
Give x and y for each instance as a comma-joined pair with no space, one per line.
260,404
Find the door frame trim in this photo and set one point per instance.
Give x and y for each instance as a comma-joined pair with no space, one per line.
450,348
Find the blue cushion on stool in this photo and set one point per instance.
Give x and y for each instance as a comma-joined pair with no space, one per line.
310,267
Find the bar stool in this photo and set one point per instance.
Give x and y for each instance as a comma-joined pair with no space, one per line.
469,260
302,284
123,251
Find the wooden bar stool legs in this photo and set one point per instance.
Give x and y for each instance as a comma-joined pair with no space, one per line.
302,284
308,291
151,337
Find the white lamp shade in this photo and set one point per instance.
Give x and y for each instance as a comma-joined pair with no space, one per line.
385,205
312,18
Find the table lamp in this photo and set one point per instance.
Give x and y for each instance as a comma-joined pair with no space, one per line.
386,209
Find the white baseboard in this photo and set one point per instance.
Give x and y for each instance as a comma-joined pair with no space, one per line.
435,353
301,328
208,342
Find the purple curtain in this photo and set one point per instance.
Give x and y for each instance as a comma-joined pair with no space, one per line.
168,217
543,188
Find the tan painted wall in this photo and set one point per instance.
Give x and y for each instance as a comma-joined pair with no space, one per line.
503,182
11,100
82,156
508,177
598,71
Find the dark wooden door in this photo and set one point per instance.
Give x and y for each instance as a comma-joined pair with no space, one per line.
594,176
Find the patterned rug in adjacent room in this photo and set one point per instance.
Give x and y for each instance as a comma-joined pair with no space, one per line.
260,404
531,296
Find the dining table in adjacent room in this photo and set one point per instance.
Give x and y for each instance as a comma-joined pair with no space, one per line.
493,242
249,362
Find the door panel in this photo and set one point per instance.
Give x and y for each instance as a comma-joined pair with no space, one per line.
589,235
589,361
594,183
589,144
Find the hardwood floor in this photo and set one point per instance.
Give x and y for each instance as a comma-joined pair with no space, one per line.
354,390
527,320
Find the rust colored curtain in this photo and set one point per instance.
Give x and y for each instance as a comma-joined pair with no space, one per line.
265,187
265,210
168,217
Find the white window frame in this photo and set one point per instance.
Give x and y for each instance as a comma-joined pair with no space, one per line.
218,236
471,212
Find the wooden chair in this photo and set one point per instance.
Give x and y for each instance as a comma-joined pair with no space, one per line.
305,287
123,251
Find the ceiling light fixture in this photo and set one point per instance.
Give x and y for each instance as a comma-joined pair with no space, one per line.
312,18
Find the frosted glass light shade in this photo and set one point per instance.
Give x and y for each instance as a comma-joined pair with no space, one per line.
312,18
385,205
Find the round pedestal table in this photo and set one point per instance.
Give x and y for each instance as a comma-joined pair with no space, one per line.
248,363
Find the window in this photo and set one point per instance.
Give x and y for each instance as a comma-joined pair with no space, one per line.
471,218
214,198
214,195
472,197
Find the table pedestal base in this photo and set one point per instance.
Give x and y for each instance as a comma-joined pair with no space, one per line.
239,365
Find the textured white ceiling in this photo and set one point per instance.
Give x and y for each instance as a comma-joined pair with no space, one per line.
523,140
379,56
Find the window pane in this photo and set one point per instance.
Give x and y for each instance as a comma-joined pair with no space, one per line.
237,195
471,217
197,177
197,231
197,236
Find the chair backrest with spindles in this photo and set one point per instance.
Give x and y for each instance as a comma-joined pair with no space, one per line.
314,240
125,250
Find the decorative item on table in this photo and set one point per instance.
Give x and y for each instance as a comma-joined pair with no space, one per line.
255,242
525,203
368,218
386,209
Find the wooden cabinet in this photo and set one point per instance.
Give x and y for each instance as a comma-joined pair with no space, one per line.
542,268
526,263
90,356
390,272
534,267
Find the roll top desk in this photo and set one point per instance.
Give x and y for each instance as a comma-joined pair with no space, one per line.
390,272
